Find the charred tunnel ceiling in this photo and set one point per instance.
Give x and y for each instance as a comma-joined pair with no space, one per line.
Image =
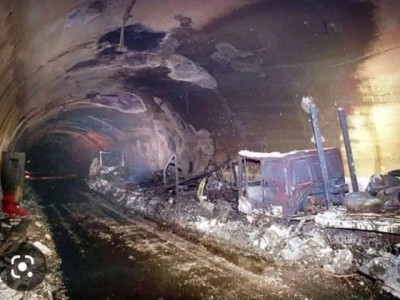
200,79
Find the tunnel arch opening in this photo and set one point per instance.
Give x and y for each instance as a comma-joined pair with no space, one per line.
67,141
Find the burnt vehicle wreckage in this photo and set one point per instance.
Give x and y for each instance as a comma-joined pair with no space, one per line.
298,190
288,185
141,145
305,187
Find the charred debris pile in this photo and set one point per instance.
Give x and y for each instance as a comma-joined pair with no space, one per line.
293,209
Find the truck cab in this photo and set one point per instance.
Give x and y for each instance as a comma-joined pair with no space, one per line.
288,183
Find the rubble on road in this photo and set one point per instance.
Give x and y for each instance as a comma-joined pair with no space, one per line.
339,218
385,268
220,222
362,202
341,263
35,231
305,242
43,248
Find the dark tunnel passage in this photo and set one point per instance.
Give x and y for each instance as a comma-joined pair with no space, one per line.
49,156
154,83
67,144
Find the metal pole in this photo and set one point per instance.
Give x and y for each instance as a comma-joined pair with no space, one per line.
176,175
246,179
101,158
347,146
240,176
262,162
321,153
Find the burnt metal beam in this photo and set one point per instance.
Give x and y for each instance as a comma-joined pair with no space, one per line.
347,146
195,178
321,153
176,176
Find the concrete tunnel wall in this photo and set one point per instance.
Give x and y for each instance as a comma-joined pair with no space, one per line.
145,128
375,121
10,113
236,69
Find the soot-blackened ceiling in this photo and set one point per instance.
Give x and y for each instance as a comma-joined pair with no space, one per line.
238,69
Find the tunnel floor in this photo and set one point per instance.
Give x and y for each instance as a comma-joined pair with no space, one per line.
107,254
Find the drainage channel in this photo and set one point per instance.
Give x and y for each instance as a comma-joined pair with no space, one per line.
136,261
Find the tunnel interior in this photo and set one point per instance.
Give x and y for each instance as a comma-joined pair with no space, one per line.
199,85
193,82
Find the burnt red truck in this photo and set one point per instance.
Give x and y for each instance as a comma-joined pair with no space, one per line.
288,183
